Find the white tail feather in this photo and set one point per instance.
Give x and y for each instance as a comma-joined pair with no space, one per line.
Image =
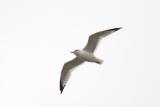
99,61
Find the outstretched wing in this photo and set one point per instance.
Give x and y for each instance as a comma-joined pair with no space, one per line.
66,71
95,38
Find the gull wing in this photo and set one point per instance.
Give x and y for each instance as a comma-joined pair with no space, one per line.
95,38
66,71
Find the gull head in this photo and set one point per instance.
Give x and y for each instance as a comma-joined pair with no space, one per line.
76,52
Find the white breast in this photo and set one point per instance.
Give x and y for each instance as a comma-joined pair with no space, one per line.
87,56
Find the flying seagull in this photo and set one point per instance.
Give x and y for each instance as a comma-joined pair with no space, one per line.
86,54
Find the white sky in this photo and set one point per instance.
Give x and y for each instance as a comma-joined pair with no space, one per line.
36,37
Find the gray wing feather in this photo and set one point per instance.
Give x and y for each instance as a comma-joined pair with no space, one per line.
66,71
96,37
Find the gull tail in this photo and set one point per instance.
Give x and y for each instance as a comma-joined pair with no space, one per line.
99,61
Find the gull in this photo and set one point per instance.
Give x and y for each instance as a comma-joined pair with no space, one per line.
84,55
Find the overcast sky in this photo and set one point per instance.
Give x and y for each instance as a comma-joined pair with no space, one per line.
36,37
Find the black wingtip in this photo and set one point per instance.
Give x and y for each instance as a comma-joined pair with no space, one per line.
61,87
115,29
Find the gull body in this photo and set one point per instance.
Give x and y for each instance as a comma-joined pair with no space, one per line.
84,55
87,56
